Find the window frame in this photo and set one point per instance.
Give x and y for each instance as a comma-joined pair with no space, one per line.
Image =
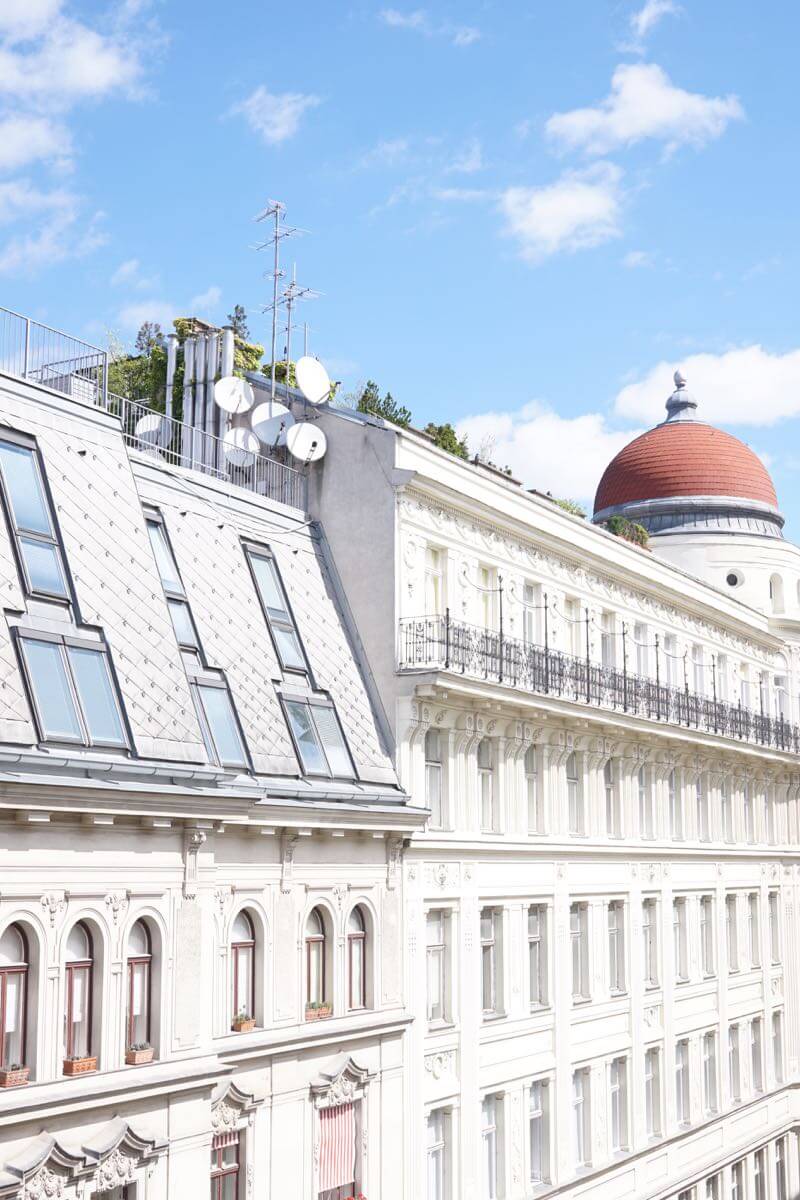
650,941
312,702
66,641
537,948
237,949
360,938
539,1114
321,940
617,972
438,952
494,945
434,771
17,533
217,680
652,1093
133,961
71,967
22,970
579,951
219,1173
618,1104
287,624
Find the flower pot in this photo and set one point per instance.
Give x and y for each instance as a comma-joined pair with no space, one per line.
80,1066
14,1076
319,1013
135,1058
243,1024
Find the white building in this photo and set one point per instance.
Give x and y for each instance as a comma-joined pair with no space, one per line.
602,910
201,976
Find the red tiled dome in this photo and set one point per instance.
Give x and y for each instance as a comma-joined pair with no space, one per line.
684,458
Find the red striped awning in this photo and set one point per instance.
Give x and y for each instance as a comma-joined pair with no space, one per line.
337,1156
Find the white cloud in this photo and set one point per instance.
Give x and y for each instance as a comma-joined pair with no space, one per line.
133,316
25,139
636,259
418,21
126,272
744,386
275,117
468,160
643,103
461,194
645,19
23,19
203,303
54,237
579,210
389,152
69,62
562,455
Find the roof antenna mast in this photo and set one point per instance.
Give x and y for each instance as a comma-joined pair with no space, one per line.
275,212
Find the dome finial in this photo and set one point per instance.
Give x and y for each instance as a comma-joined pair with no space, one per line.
681,404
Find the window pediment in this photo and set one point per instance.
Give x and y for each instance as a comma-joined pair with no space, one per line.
347,1083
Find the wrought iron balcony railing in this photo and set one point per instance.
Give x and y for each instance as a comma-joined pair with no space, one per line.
471,650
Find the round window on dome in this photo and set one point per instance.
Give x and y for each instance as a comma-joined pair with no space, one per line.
734,579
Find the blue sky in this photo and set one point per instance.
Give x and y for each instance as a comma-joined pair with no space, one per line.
522,215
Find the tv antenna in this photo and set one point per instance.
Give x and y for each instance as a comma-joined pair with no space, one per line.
275,212
291,295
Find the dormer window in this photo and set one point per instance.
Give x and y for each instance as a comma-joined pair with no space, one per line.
318,737
279,616
74,698
30,517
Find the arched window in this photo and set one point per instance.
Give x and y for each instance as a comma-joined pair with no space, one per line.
316,981
243,949
433,776
486,784
14,963
357,959
140,956
80,963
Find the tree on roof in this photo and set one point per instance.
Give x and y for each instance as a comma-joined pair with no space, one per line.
369,401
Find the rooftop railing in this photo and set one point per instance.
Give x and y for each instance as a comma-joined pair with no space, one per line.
174,443
479,653
34,351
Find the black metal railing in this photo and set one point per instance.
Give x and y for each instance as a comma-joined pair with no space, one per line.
481,653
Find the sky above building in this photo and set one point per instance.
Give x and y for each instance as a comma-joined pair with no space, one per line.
522,216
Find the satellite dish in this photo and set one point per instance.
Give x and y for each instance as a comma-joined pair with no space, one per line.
312,379
234,395
240,447
306,442
269,421
152,430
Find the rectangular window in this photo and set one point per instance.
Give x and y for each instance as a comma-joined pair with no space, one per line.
581,1118
774,929
781,1187
682,1110
616,946
579,939
486,785
618,1103
338,1156
732,927
646,813
641,641
680,939
608,641
699,670
225,1166
531,623
754,929
737,1181
32,524
756,1054
73,693
437,965
487,587
772,833
275,604
491,961
539,1131
613,800
533,796
777,1046
433,776
749,815
703,821
710,1072
650,941
675,807
576,816
434,581
438,1155
713,1186
537,954
218,723
734,1064
671,658
727,811
490,1143
652,1092
707,935
760,1175
318,739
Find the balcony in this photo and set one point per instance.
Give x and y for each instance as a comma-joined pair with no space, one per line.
35,352
439,643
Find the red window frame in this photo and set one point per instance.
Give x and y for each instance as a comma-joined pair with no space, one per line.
316,939
359,1001
242,947
87,965
140,960
4,973
221,1171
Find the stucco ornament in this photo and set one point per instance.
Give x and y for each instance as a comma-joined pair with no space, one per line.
117,903
224,1116
55,903
439,1064
341,1090
44,1185
118,1169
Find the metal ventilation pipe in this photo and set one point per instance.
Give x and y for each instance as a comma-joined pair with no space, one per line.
198,422
212,410
188,400
228,346
172,358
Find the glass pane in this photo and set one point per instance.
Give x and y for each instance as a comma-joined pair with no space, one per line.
24,489
14,1008
332,740
305,734
229,1187
315,952
98,701
222,723
356,972
43,564
80,1010
167,567
182,623
51,689
289,648
243,968
268,586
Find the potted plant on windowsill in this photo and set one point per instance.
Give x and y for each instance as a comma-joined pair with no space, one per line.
14,1075
243,1022
80,1064
318,1010
138,1053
